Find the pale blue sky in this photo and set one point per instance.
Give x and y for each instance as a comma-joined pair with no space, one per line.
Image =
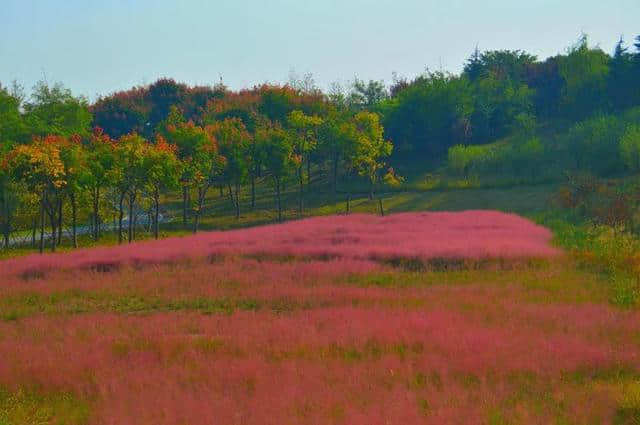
99,46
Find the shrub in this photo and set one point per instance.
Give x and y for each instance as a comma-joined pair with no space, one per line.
630,147
462,159
593,145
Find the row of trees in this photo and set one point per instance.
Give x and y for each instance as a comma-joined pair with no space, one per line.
168,137
71,169
498,93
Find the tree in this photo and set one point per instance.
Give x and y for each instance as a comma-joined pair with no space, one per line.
333,138
121,113
545,80
206,169
161,96
161,167
12,129
9,199
430,115
40,167
77,176
498,103
621,79
129,177
275,102
370,148
367,95
255,163
193,146
474,66
200,164
53,110
12,126
585,72
279,159
100,163
233,141
503,64
305,139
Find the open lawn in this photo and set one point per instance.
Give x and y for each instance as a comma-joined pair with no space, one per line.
345,320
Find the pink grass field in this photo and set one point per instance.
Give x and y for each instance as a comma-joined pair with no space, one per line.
329,335
463,235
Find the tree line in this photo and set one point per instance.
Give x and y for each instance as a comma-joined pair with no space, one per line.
64,157
58,162
503,92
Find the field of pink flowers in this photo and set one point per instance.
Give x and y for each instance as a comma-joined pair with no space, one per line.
318,322
471,235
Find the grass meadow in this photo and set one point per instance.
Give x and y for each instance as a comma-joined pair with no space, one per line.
333,320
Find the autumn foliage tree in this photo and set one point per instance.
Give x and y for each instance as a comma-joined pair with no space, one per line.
162,168
369,148
8,194
40,167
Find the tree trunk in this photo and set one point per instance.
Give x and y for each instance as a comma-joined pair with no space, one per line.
202,193
52,219
300,191
134,228
184,206
279,199
370,189
132,200
6,232
237,201
156,223
73,220
230,196
6,228
348,203
41,248
120,217
60,202
253,192
51,212
308,173
96,213
381,207
335,173
33,232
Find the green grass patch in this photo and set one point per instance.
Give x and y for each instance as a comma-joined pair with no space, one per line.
25,407
26,304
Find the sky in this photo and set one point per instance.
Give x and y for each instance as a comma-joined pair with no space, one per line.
96,47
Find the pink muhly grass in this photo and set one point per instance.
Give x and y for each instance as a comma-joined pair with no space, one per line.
462,235
355,363
319,348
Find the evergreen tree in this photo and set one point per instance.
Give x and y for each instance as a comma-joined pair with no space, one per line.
473,68
620,77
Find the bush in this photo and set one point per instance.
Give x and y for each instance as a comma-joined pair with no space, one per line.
593,145
607,250
630,148
463,159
